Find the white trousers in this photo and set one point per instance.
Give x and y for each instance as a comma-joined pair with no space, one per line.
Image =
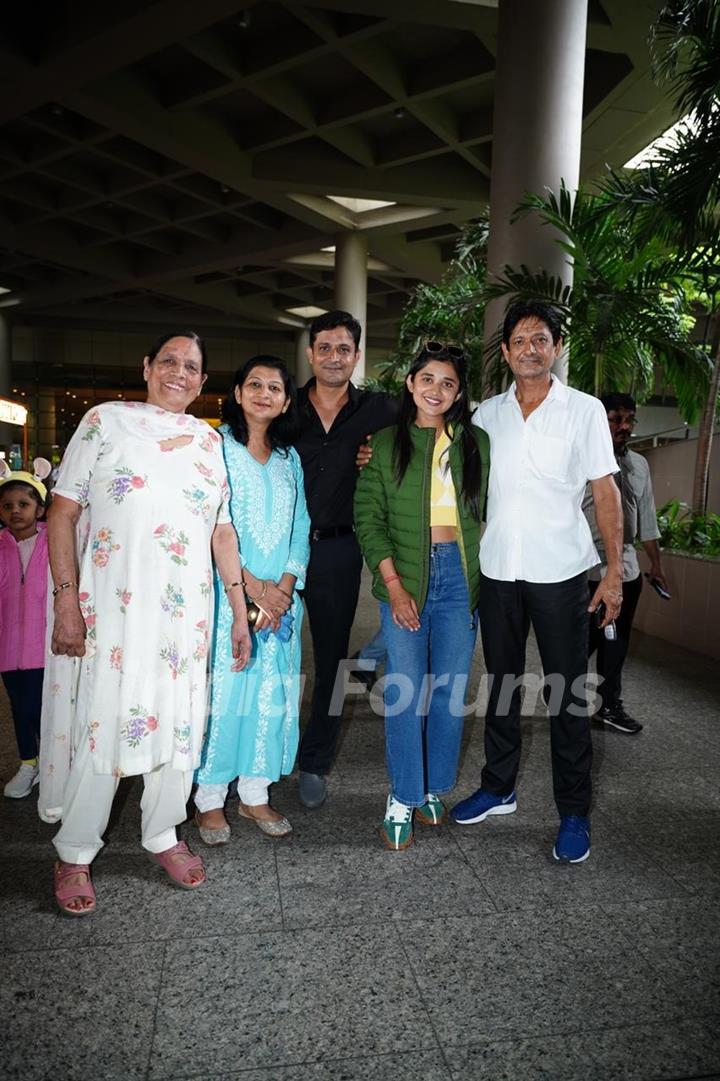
88,800
252,791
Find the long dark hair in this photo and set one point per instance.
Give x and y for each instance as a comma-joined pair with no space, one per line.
282,431
457,417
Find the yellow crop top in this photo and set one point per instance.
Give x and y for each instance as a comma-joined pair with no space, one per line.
443,504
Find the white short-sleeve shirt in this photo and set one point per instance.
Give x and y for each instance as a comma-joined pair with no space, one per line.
536,530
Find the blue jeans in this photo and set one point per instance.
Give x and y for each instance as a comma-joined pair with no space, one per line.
424,715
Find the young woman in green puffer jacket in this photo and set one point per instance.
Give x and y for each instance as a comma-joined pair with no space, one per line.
418,507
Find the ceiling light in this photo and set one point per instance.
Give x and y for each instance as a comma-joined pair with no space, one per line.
360,206
399,113
309,311
4,290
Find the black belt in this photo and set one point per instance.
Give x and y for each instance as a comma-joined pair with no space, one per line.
332,532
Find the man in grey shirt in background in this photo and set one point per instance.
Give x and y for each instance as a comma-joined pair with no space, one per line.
639,521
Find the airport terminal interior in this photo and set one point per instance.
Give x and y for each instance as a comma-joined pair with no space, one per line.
238,168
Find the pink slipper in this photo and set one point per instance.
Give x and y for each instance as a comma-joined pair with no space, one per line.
177,862
68,888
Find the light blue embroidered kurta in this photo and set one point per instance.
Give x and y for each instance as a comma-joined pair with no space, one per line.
254,714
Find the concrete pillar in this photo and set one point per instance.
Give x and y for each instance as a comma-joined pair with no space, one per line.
537,130
303,370
351,255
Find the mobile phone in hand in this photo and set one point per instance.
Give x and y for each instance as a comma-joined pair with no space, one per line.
609,630
658,587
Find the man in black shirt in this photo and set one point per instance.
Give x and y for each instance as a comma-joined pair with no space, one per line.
335,418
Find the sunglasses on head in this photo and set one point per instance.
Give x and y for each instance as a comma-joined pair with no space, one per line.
449,349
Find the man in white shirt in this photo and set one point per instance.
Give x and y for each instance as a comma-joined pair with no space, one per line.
639,521
546,442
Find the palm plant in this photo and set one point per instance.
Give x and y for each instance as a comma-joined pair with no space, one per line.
625,308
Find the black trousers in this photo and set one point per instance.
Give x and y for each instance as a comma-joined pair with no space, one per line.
611,655
331,593
24,689
559,617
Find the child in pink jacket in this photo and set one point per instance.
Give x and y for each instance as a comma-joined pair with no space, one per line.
23,596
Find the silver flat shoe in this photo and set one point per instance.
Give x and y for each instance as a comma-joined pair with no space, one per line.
267,826
219,836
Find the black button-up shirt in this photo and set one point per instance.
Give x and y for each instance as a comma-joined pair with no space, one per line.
328,458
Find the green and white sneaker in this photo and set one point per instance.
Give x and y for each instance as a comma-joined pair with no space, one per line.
396,829
433,811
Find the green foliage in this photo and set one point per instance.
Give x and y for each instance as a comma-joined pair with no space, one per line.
389,380
685,42
675,196
687,531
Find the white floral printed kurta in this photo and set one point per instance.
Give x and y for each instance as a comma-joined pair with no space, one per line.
152,485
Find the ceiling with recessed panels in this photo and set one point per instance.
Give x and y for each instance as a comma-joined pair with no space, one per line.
178,159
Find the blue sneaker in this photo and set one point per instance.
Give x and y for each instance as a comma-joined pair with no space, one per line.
477,807
573,839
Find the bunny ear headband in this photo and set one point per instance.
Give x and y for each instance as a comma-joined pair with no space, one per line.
41,470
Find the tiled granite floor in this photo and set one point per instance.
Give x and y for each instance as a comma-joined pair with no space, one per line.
324,957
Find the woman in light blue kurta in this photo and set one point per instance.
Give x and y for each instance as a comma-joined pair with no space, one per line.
252,730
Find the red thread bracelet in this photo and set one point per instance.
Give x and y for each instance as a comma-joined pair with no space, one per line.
392,578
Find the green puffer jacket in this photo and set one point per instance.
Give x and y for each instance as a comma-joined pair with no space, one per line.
394,520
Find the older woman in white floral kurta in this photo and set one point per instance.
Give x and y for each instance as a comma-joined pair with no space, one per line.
153,485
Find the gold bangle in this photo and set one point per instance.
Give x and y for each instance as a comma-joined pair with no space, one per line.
63,585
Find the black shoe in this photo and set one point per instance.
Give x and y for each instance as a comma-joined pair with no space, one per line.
312,790
366,676
614,716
